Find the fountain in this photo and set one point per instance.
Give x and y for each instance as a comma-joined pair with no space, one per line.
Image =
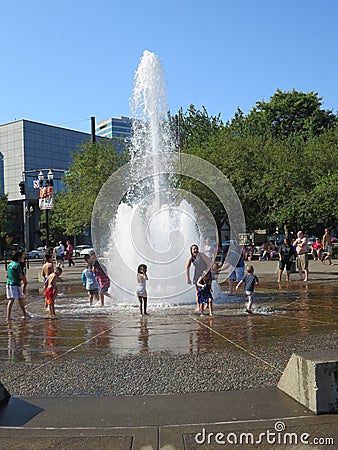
140,215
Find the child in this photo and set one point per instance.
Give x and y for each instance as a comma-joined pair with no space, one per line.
89,280
249,281
47,269
204,291
13,285
22,262
51,290
141,290
102,280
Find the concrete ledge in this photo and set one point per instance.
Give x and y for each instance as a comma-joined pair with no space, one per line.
312,379
4,395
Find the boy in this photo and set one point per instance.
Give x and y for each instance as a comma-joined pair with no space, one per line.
47,269
51,290
249,281
13,285
89,281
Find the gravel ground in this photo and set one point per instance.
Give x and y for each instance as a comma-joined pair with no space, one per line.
160,372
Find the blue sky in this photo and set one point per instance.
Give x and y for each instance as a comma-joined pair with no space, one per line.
65,61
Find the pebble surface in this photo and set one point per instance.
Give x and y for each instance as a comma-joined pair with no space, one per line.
159,372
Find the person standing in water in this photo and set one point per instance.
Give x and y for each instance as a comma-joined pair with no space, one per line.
13,285
51,290
102,279
204,292
141,290
249,280
22,262
301,244
91,284
201,262
47,269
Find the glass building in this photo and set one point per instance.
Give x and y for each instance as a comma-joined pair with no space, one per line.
27,147
117,128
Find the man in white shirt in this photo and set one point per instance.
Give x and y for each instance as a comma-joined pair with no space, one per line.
301,244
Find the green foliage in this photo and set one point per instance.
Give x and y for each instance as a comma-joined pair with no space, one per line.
194,127
92,165
282,160
287,114
4,215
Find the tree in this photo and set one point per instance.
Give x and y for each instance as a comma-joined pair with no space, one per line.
4,216
287,114
194,127
275,177
92,165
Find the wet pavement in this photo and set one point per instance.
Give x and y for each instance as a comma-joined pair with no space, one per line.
291,317
280,312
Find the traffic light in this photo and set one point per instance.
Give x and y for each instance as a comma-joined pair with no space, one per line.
22,186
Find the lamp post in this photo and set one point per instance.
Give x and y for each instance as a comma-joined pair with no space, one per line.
46,196
45,186
29,212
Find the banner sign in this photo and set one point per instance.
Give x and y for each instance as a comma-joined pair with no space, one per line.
46,197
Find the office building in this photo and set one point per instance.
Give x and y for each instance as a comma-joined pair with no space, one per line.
26,147
117,128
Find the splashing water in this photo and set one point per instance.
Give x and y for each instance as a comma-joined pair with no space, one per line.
154,223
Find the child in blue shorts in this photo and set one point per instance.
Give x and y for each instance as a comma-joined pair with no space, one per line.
249,280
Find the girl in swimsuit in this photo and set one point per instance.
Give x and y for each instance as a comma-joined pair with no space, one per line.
141,290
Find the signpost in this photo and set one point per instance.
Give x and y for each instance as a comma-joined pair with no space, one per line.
46,192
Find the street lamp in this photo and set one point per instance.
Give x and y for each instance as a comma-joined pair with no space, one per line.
46,196
45,186
50,177
29,214
41,178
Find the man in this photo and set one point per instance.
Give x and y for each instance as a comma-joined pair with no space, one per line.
302,256
57,255
327,245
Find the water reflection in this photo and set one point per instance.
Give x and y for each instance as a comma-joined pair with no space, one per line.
143,336
284,312
204,335
17,351
51,341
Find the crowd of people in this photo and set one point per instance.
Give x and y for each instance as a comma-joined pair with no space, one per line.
94,277
232,259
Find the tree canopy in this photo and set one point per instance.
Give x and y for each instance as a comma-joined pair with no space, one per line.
281,159
287,114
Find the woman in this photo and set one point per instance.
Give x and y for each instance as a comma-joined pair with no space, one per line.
201,263
285,255
69,254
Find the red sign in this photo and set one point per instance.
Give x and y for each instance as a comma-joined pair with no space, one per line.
46,197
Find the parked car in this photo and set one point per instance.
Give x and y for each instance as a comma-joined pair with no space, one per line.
39,253
78,249
87,251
